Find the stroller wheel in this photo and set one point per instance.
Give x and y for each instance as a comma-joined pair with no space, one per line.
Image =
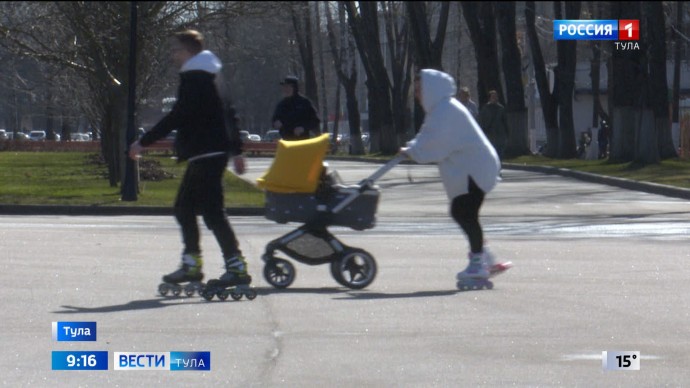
356,268
279,273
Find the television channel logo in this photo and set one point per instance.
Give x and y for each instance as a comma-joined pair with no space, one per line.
627,30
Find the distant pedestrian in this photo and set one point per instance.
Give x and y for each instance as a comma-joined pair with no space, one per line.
494,123
603,137
295,116
466,160
466,100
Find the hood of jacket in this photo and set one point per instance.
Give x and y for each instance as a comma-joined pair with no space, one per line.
204,61
436,87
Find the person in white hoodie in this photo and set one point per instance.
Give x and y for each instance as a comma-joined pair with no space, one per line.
206,140
467,162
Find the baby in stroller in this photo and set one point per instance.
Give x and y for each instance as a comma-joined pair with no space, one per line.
299,188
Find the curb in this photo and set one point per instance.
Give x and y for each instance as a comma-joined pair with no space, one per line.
652,188
43,210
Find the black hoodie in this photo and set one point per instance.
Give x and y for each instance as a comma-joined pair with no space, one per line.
198,114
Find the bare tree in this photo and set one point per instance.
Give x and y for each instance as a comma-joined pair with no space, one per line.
548,100
398,36
512,75
92,39
345,61
567,62
655,29
428,52
481,22
363,20
640,113
557,104
301,20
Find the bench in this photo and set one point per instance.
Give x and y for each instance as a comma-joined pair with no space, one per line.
256,148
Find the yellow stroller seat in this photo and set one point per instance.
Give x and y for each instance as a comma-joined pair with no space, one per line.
297,166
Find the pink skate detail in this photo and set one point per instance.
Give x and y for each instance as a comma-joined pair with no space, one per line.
499,268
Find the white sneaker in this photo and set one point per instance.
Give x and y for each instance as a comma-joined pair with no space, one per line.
476,269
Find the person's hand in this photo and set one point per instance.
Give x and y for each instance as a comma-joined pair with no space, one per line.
299,131
238,164
135,150
277,124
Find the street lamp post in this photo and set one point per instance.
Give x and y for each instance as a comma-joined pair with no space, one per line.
129,186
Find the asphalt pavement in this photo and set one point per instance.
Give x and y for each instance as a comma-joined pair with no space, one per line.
597,268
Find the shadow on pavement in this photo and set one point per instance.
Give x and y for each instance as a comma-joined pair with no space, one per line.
381,295
146,304
161,302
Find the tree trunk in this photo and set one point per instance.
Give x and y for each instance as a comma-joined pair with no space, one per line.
342,57
646,145
481,23
595,74
658,87
626,87
399,48
364,26
567,60
518,140
549,104
303,33
353,118
675,115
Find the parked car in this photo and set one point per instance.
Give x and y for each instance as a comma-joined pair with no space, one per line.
37,135
272,136
79,137
3,134
20,136
254,137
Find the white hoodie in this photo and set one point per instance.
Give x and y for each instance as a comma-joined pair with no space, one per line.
205,61
451,138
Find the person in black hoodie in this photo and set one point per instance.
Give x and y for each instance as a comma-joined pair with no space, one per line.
206,139
295,116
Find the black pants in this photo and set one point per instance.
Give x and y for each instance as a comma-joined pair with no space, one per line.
465,211
201,192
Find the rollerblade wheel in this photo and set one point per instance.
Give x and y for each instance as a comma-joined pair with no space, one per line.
356,268
207,295
236,295
163,289
176,291
189,291
279,273
222,295
251,294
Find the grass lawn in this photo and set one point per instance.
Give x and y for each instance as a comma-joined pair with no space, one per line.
672,172
74,178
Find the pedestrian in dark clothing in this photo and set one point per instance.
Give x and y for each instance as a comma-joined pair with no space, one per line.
295,116
603,139
206,141
494,123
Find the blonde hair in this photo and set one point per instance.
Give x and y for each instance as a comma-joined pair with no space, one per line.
191,40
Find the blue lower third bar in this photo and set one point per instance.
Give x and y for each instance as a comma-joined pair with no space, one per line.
192,361
74,331
80,360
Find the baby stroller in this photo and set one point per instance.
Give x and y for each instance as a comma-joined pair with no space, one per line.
299,188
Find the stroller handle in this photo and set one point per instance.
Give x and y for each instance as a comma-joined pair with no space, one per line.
369,181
